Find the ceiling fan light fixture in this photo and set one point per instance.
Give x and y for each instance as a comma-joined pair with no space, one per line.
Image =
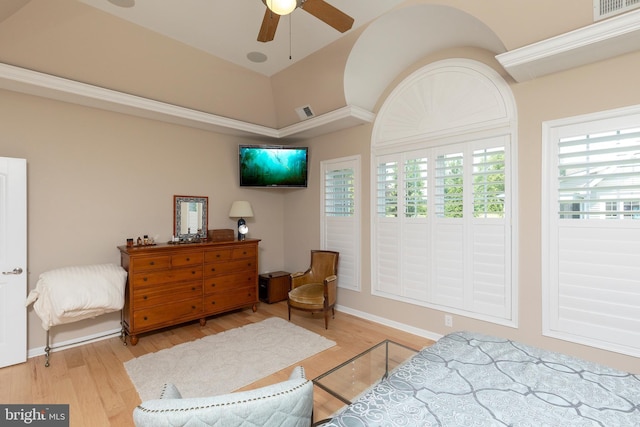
282,7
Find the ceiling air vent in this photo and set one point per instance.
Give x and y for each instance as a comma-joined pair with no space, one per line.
605,8
306,112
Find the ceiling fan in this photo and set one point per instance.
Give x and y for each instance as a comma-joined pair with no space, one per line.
318,8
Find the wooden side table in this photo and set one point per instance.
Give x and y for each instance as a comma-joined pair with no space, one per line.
274,286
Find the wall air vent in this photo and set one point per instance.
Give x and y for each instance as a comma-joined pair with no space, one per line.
603,9
306,112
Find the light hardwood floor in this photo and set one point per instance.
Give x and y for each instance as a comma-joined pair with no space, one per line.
91,378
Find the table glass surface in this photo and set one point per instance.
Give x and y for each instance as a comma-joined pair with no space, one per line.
350,379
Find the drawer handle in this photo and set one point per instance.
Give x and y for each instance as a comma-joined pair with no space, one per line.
213,269
152,263
213,302
144,297
188,259
244,253
144,279
193,307
217,255
193,272
213,285
145,317
193,289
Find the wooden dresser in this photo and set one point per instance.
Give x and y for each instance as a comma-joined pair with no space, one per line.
171,284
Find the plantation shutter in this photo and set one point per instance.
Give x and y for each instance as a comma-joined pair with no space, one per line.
449,228
593,249
341,217
490,237
451,249
415,230
386,240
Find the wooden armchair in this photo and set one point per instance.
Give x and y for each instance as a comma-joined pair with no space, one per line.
315,289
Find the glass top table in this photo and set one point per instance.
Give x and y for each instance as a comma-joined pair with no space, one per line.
352,378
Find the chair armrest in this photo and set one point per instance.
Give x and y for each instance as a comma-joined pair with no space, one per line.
297,373
299,278
331,278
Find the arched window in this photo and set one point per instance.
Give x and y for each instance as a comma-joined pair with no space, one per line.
443,205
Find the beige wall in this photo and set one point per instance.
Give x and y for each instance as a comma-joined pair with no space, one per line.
69,39
96,178
562,95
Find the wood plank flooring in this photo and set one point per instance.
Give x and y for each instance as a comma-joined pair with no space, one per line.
91,378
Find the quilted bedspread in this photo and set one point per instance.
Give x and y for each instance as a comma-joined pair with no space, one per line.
467,379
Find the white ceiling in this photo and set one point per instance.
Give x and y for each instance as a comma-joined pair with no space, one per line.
229,28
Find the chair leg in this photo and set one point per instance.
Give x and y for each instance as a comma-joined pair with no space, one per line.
326,319
289,307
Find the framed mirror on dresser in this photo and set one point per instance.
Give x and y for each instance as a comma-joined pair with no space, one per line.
190,214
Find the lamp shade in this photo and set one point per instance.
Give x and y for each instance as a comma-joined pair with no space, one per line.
241,209
282,7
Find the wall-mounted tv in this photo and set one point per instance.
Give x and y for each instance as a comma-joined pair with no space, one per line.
273,166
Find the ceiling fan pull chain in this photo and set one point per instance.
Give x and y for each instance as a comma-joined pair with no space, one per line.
290,19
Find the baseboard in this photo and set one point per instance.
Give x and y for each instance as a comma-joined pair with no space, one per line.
391,323
39,351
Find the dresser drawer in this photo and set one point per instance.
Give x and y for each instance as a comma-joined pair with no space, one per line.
166,276
147,296
181,260
227,254
218,255
215,269
227,300
167,314
229,282
151,263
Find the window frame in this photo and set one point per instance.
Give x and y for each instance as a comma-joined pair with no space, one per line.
558,320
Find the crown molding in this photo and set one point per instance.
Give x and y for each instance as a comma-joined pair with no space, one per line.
44,85
603,40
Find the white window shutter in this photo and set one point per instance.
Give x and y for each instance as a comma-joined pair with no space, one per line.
340,224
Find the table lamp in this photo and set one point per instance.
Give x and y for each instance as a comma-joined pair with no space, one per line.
241,210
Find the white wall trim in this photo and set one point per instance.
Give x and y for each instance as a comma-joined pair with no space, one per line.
47,86
391,323
603,40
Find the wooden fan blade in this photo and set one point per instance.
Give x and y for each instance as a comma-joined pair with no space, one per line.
269,26
328,14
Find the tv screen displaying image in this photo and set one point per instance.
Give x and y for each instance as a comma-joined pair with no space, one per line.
273,166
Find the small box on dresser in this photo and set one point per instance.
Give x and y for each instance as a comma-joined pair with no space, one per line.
172,284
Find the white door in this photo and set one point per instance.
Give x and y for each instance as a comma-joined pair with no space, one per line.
13,261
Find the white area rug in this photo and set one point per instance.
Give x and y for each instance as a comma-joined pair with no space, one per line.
224,362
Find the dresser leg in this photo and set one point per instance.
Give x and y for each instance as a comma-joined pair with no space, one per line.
203,322
134,339
254,308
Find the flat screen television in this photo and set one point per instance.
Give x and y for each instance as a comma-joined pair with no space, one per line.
273,166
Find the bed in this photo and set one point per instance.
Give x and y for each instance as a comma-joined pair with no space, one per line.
467,379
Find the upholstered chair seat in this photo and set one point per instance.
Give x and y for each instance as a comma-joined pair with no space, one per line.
308,295
315,290
284,404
